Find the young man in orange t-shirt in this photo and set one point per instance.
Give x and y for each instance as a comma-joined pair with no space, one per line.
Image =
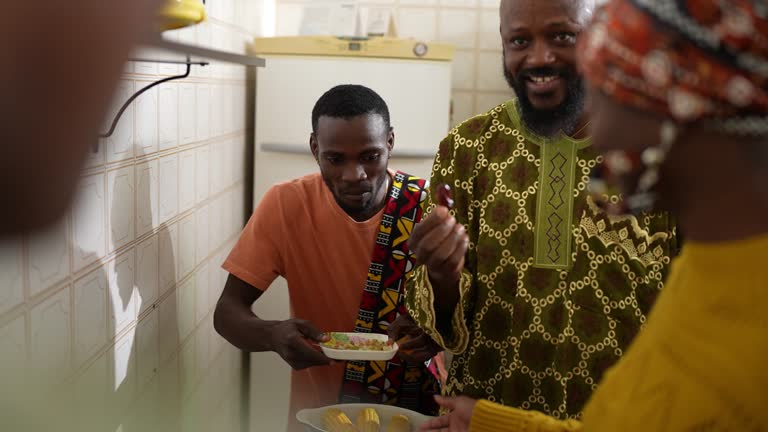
339,239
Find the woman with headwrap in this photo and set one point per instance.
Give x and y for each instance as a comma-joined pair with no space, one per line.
679,105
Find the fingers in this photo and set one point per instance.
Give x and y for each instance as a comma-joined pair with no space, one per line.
302,355
438,217
436,423
416,356
399,326
309,331
415,343
450,252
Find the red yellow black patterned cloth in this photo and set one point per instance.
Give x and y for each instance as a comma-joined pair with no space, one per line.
689,60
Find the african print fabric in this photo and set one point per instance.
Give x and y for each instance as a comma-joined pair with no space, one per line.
689,60
526,334
391,382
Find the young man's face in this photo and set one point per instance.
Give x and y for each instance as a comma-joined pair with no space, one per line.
538,41
353,155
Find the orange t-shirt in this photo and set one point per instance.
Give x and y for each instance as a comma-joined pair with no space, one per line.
300,233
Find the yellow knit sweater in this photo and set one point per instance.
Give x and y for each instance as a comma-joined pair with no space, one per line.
701,364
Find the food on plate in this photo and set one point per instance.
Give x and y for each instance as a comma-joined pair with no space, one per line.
368,421
336,421
341,341
399,423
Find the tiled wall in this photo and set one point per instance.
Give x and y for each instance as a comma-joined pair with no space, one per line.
116,301
472,26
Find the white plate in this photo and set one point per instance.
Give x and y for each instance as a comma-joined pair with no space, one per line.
362,355
314,417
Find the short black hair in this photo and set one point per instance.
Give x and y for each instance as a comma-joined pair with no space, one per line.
347,101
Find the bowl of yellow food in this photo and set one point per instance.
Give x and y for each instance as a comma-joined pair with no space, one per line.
361,418
359,346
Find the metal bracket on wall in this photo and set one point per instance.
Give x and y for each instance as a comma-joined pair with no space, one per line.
188,63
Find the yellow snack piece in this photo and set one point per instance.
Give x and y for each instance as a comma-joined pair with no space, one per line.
399,423
337,421
368,421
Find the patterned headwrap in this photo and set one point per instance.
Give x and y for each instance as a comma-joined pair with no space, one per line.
688,60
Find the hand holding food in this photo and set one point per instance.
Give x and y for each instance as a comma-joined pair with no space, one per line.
415,345
291,339
440,242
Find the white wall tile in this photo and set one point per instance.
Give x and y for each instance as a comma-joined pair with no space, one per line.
417,23
148,213
91,316
238,159
186,304
418,2
123,370
216,236
490,75
490,3
121,210
48,257
202,283
228,218
90,234
148,348
487,101
120,144
168,247
202,173
147,274
240,101
92,390
202,347
203,123
228,163
217,167
458,27
288,19
50,337
169,115
217,278
202,243
11,275
463,70
146,121
228,107
169,328
187,368
169,187
463,107
122,299
187,237
13,346
187,113
489,37
217,111
458,3
187,181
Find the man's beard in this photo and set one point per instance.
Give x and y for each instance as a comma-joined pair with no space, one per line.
549,122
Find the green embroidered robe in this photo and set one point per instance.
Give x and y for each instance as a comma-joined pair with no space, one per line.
553,290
